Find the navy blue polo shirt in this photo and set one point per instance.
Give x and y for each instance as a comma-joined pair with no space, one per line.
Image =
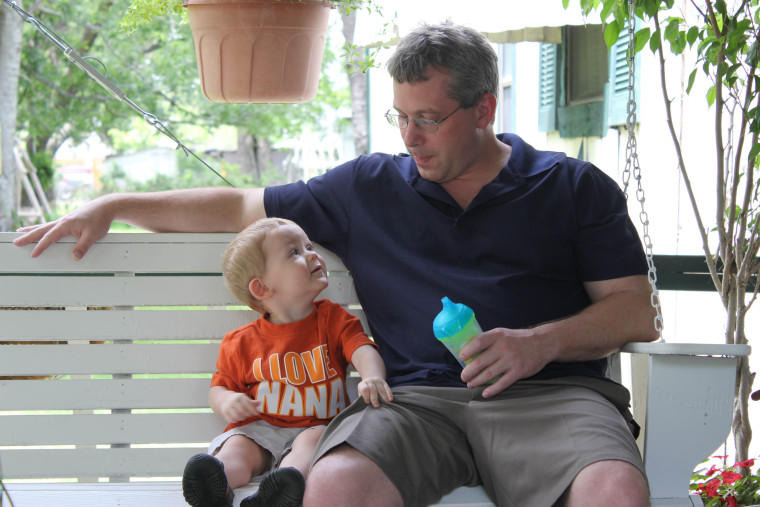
518,255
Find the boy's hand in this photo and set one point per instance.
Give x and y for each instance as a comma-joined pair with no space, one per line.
239,407
374,388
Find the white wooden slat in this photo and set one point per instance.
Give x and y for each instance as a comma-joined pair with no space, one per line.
132,252
82,394
57,325
147,253
142,494
121,324
113,291
113,462
40,291
165,494
93,429
64,359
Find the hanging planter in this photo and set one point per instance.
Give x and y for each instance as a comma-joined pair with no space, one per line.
259,51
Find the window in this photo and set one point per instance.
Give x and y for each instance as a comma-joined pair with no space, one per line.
583,88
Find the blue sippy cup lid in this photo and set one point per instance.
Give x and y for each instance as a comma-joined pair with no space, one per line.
452,319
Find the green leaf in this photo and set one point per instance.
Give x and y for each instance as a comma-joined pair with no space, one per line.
752,56
654,41
642,37
611,33
711,95
607,8
691,80
691,35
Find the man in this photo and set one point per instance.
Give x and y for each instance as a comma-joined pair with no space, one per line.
539,245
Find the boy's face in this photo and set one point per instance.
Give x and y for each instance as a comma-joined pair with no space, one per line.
294,271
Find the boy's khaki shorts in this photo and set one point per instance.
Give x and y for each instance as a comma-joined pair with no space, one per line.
278,440
526,445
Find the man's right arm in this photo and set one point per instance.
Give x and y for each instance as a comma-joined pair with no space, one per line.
192,210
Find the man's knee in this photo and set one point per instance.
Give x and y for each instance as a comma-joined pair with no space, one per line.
346,477
604,481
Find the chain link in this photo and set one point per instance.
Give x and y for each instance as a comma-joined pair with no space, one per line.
632,167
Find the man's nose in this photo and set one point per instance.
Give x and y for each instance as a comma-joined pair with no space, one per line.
411,135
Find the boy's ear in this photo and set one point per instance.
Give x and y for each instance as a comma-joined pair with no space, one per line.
259,289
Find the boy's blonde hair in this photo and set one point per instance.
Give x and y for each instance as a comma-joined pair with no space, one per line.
244,259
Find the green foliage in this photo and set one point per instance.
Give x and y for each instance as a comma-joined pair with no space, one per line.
140,12
44,164
154,65
190,174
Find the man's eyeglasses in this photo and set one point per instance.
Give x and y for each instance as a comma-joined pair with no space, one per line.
424,124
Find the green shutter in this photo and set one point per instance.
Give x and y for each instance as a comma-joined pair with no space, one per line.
616,93
579,113
547,88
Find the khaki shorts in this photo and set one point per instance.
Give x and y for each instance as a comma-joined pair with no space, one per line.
525,445
278,440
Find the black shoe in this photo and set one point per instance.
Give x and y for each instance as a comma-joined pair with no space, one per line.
283,487
204,483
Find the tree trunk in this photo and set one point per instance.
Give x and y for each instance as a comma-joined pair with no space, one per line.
741,425
358,83
10,62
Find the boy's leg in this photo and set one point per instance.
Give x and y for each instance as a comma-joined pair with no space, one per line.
208,480
284,487
302,450
243,458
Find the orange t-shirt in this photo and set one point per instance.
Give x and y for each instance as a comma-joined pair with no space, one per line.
297,369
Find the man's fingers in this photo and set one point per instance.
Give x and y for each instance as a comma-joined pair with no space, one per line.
32,233
83,246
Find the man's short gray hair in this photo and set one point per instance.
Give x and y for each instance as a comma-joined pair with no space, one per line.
465,54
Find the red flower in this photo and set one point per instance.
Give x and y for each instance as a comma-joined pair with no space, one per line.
711,487
746,464
730,477
731,501
712,470
721,457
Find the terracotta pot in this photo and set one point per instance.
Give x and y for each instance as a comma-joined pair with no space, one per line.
259,51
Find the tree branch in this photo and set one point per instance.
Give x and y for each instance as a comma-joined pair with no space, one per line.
682,165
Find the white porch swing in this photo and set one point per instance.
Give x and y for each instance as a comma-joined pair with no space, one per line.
682,393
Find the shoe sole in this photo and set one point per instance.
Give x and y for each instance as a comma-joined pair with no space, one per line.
283,487
204,483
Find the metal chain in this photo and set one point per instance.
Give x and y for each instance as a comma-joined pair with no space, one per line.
632,166
106,83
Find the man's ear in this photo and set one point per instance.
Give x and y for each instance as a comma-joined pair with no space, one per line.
259,289
486,109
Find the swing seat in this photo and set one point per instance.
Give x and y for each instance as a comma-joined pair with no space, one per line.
105,367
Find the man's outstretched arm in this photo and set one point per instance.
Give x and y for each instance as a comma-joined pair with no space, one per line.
191,210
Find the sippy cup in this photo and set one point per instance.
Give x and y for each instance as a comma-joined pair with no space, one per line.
455,326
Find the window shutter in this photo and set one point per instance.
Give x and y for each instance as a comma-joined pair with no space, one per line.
547,88
616,93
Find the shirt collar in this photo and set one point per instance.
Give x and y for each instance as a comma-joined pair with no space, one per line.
524,162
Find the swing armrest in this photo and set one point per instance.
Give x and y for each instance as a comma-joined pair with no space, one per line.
687,349
682,396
